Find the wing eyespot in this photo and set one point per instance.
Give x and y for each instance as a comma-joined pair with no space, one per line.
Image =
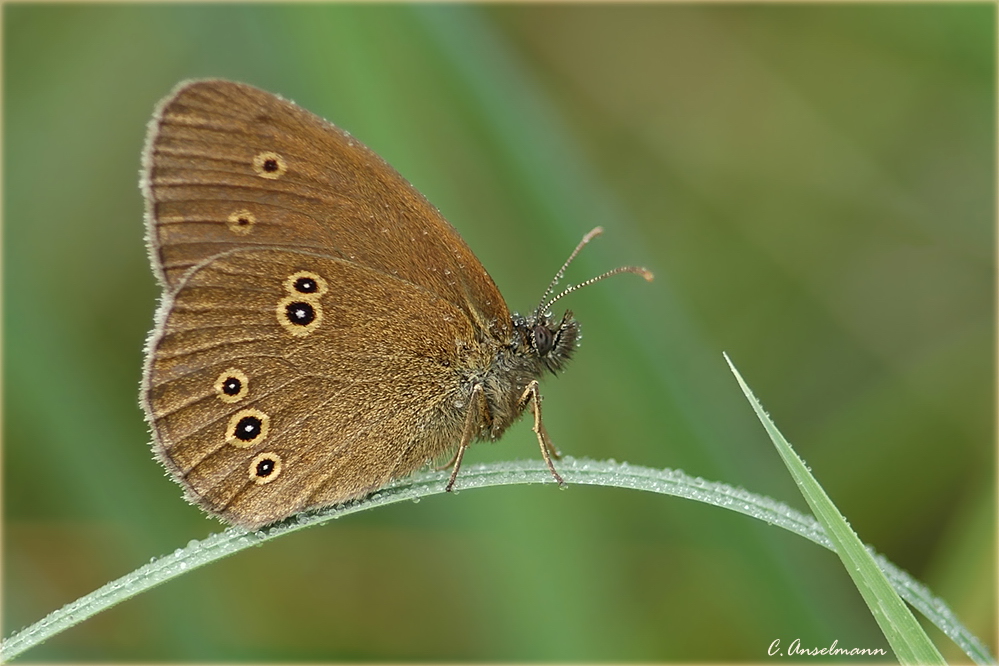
247,427
299,316
265,468
306,284
241,222
232,385
269,165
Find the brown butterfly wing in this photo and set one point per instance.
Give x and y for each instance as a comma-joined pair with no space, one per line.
260,415
230,166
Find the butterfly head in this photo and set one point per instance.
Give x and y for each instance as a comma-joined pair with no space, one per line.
549,340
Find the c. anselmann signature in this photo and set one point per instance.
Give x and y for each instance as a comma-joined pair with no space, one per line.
796,650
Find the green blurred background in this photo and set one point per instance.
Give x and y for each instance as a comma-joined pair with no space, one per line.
814,187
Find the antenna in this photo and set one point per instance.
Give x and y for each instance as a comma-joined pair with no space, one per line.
638,270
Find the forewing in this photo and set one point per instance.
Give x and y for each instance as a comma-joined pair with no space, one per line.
228,166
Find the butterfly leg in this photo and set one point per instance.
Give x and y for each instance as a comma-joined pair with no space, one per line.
449,463
471,425
532,394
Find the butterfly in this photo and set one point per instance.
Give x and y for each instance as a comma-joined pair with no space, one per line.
323,329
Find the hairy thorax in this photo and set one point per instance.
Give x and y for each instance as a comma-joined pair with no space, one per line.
538,344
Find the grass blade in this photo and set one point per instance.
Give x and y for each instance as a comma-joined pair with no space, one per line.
906,637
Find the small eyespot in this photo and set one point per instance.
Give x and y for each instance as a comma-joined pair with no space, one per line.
299,316
232,385
265,468
269,165
300,313
306,283
247,427
241,222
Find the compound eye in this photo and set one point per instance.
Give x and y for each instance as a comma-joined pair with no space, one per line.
543,339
